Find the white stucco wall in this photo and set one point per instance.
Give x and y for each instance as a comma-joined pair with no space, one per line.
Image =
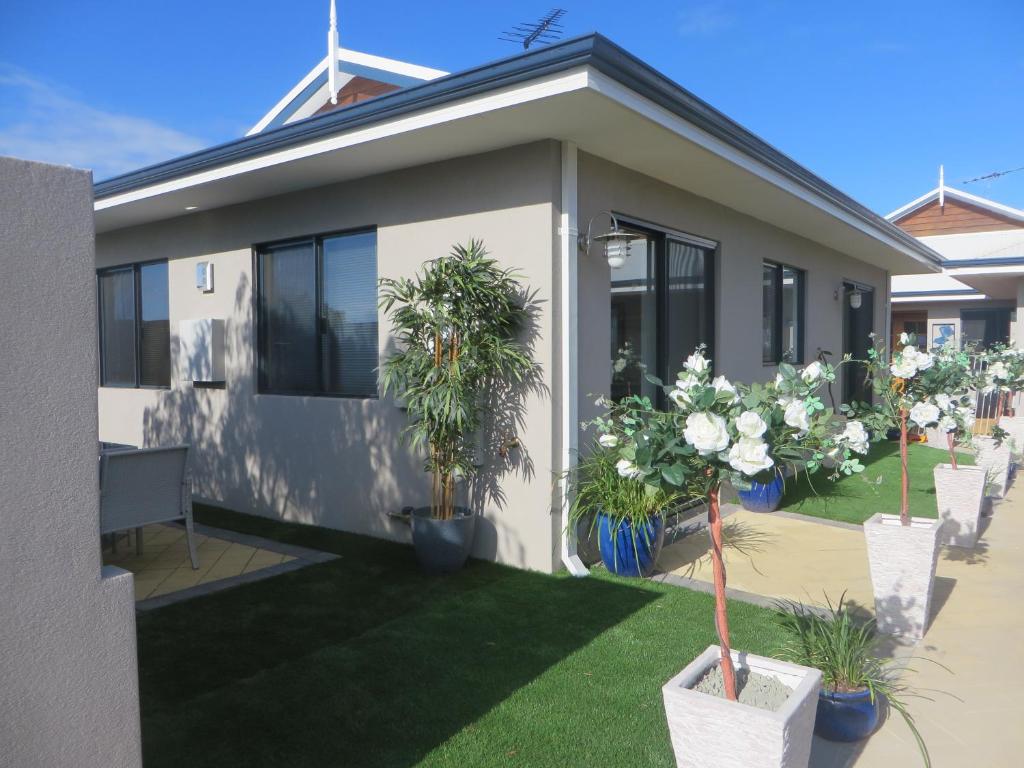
744,244
68,672
338,462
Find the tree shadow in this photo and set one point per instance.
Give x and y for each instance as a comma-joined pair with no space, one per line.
738,536
331,666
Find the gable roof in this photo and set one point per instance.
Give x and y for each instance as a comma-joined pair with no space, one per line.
311,94
584,90
998,212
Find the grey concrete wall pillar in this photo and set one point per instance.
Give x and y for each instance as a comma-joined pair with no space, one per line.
68,668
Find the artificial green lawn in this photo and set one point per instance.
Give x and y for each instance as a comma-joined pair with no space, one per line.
877,489
365,661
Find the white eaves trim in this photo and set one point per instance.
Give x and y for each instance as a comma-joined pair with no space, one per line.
632,100
352,57
545,87
929,299
956,194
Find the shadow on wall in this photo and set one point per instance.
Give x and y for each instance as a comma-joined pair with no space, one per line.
328,461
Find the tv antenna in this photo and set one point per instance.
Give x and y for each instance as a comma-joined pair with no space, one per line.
545,30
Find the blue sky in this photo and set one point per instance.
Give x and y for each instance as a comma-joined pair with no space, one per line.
871,95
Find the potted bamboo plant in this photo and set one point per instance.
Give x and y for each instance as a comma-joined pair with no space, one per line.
902,550
457,325
728,708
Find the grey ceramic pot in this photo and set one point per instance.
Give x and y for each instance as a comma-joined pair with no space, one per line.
442,546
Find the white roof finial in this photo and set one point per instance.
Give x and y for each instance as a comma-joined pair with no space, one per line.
332,55
942,185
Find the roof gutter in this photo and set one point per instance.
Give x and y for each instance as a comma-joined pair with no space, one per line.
593,50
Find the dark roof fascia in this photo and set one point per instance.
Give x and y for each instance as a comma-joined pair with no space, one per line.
925,294
993,261
594,50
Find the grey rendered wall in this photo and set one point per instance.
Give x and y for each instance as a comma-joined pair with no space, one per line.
949,312
69,690
338,462
744,243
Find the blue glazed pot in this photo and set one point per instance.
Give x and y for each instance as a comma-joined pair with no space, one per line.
762,497
629,551
846,716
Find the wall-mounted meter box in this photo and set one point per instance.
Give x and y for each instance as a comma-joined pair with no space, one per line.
204,276
201,350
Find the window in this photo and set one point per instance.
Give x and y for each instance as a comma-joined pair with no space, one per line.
782,314
135,330
317,301
984,327
661,309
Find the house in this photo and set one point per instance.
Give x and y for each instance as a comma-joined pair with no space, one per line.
238,284
975,298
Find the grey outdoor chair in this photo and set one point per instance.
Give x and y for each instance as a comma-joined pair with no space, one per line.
145,486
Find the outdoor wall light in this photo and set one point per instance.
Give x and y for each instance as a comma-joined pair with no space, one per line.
617,242
856,299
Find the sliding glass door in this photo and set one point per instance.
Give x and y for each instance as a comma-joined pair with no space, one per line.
662,304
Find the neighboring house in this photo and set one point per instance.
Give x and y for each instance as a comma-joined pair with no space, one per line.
977,295
739,248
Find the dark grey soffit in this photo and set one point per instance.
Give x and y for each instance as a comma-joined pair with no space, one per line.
925,294
592,50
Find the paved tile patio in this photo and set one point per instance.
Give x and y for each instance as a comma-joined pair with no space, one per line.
977,628
164,569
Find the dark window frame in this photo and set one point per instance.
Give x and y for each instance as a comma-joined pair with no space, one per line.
259,309
801,306
661,237
135,268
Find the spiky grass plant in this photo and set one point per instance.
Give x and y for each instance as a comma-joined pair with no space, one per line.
842,647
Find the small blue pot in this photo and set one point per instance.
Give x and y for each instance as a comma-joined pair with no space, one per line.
629,551
846,716
762,497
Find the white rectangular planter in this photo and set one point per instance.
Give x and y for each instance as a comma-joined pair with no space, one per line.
712,732
959,493
1015,426
902,563
995,460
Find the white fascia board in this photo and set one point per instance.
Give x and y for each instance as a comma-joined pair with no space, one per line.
987,270
354,57
914,204
956,194
318,99
289,97
553,85
643,106
930,299
390,65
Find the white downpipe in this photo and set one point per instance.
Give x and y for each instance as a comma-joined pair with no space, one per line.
568,231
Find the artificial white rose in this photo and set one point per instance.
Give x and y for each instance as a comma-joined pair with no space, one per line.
779,379
944,401
627,468
904,338
812,373
680,397
947,424
749,456
620,365
707,432
998,371
608,441
855,436
750,424
923,360
696,363
904,367
967,415
722,384
924,414
796,415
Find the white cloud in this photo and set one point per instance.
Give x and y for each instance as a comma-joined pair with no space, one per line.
704,20
39,122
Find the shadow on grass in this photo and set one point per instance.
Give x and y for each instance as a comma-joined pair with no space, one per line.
363,661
